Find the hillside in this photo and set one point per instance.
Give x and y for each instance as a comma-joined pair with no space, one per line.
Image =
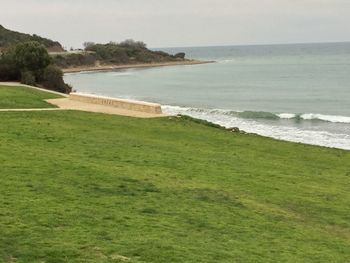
9,37
128,52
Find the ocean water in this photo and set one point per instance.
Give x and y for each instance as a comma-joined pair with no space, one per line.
299,93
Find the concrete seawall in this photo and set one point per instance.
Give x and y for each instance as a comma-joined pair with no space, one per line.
141,106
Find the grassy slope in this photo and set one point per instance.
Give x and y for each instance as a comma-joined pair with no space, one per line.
81,187
24,98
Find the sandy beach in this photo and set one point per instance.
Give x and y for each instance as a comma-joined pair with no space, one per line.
129,66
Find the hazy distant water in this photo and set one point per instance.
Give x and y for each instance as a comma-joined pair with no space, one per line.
293,92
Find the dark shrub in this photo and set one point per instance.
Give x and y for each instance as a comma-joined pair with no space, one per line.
88,59
133,44
60,61
161,53
29,62
28,78
31,56
180,55
8,72
8,69
53,80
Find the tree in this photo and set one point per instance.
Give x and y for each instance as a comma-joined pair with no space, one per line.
53,80
31,56
8,68
28,78
30,62
88,45
133,44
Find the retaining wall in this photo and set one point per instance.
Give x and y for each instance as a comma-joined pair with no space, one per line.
118,103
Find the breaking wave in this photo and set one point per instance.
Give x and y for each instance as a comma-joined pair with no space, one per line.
251,122
264,115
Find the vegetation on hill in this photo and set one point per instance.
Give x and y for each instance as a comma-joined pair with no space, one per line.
9,38
84,187
126,52
30,63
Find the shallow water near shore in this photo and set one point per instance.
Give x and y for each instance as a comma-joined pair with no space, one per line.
298,93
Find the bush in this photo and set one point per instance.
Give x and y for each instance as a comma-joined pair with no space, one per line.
53,80
29,62
28,78
180,55
87,45
31,56
8,71
133,44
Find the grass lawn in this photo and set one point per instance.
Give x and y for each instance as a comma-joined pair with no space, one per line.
85,187
24,98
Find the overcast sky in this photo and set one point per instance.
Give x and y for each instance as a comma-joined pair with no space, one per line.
167,23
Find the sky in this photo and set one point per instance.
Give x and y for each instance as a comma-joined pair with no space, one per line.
171,23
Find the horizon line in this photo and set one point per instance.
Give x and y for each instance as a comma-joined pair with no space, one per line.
262,44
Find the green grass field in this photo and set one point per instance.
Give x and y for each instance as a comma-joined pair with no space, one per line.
24,98
84,187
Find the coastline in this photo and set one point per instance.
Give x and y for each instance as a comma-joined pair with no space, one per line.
130,66
67,104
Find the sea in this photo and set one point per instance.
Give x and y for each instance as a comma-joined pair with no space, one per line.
294,92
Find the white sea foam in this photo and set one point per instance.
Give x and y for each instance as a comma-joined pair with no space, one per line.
294,134
286,115
330,118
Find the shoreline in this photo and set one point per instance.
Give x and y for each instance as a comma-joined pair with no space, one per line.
67,104
131,66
